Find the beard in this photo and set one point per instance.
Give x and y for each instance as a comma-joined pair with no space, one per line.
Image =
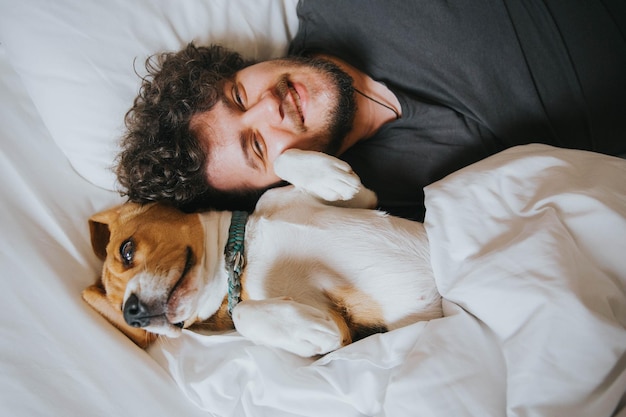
340,119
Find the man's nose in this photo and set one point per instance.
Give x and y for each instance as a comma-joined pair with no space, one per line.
266,117
267,110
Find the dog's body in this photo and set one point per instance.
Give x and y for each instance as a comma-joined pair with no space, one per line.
316,277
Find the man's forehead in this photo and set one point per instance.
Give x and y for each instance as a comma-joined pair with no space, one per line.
210,126
219,136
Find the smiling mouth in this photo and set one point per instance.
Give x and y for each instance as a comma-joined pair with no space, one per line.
291,101
296,100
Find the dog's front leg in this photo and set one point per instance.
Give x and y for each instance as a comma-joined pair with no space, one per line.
295,327
325,177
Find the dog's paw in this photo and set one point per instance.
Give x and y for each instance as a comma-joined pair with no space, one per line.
319,174
295,327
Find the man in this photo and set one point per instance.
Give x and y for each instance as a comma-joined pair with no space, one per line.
405,91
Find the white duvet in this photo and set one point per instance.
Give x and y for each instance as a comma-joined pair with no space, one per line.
529,252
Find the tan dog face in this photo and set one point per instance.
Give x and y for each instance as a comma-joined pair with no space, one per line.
150,274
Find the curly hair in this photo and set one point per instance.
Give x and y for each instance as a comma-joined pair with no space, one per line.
160,158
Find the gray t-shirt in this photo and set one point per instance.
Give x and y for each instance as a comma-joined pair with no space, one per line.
474,78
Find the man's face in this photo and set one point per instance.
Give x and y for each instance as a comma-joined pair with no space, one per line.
270,107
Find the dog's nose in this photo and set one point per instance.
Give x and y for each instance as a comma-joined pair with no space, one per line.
136,313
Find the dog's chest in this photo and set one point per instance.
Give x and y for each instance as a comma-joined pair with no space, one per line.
333,248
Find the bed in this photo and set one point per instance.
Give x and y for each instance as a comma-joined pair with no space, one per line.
528,249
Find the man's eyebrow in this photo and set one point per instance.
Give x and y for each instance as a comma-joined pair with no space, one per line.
245,148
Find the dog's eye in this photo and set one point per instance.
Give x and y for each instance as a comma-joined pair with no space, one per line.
127,252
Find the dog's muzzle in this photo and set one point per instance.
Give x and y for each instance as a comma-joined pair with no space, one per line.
137,314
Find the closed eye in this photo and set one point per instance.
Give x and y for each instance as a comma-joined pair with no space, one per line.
253,148
259,146
236,95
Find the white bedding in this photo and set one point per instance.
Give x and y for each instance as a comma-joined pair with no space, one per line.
529,250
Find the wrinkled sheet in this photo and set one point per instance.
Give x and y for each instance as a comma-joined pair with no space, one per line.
529,252
68,73
57,356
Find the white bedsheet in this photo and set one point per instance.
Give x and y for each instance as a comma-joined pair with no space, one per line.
57,357
529,249
66,79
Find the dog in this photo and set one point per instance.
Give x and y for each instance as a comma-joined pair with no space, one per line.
316,268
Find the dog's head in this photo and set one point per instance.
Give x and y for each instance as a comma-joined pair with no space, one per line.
152,258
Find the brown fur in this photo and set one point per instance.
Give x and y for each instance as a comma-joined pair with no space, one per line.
349,303
218,322
115,274
177,266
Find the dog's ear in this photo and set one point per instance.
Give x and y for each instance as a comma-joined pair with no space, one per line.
100,232
96,297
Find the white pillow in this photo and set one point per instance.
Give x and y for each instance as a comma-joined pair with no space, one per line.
80,60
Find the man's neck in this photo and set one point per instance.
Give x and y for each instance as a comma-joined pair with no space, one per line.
370,115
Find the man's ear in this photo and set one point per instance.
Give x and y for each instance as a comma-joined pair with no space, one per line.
96,297
100,232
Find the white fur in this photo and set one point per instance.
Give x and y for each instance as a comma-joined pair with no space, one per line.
321,175
299,328
300,248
